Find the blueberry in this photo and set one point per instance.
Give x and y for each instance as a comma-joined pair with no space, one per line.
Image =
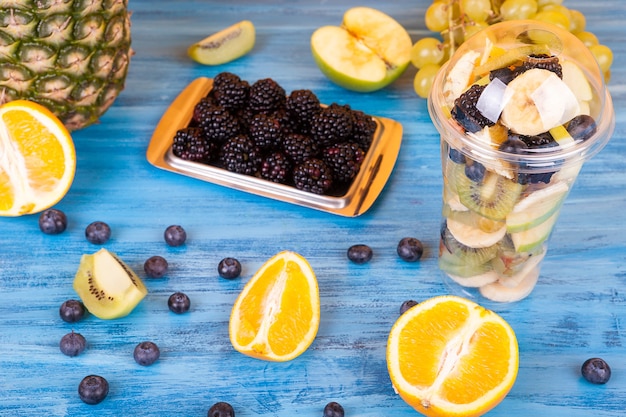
582,127
406,305
221,409
456,156
333,409
596,371
229,268
513,145
475,172
175,235
72,344
72,311
52,222
179,303
93,389
360,254
155,266
410,249
98,233
146,353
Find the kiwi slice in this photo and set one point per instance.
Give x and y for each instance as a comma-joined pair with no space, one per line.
494,197
461,254
107,286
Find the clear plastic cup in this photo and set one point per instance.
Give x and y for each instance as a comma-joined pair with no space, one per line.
520,107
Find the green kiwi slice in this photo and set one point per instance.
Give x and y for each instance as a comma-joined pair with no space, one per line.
461,254
494,197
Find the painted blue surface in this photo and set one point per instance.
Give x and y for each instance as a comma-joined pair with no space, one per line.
576,311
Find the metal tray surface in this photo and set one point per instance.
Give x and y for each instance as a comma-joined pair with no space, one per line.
366,187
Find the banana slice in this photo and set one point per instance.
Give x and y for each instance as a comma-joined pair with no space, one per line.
475,281
473,236
503,294
459,77
536,101
532,264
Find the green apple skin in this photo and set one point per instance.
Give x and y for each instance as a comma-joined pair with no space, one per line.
224,46
369,51
530,239
349,82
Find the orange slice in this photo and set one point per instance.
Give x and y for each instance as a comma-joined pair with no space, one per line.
448,356
37,158
277,314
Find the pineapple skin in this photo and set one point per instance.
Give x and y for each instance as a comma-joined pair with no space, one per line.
71,56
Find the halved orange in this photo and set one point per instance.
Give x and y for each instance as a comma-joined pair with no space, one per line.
37,158
448,356
277,314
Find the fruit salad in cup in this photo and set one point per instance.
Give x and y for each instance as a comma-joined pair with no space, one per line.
518,117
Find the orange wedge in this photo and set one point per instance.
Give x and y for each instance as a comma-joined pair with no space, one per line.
448,356
37,158
277,314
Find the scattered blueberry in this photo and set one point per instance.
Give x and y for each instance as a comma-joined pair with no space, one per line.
93,389
175,235
406,305
146,353
410,249
52,222
229,268
155,266
98,233
596,371
179,303
333,409
72,344
475,172
72,311
221,409
360,254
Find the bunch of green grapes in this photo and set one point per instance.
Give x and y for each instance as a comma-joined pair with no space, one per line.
457,20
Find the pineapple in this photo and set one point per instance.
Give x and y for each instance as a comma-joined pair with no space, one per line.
71,56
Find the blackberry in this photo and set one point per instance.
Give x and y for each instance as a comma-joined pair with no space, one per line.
265,130
302,105
202,106
299,147
465,111
266,95
230,91
542,140
363,129
218,124
344,159
313,176
543,61
191,144
331,125
241,155
276,167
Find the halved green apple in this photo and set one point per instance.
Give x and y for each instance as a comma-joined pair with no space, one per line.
367,52
528,240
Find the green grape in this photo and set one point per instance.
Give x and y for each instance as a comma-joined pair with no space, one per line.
587,38
542,3
577,20
436,17
554,17
559,8
603,55
423,81
477,10
427,51
471,30
518,9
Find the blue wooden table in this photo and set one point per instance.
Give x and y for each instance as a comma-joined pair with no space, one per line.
577,311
